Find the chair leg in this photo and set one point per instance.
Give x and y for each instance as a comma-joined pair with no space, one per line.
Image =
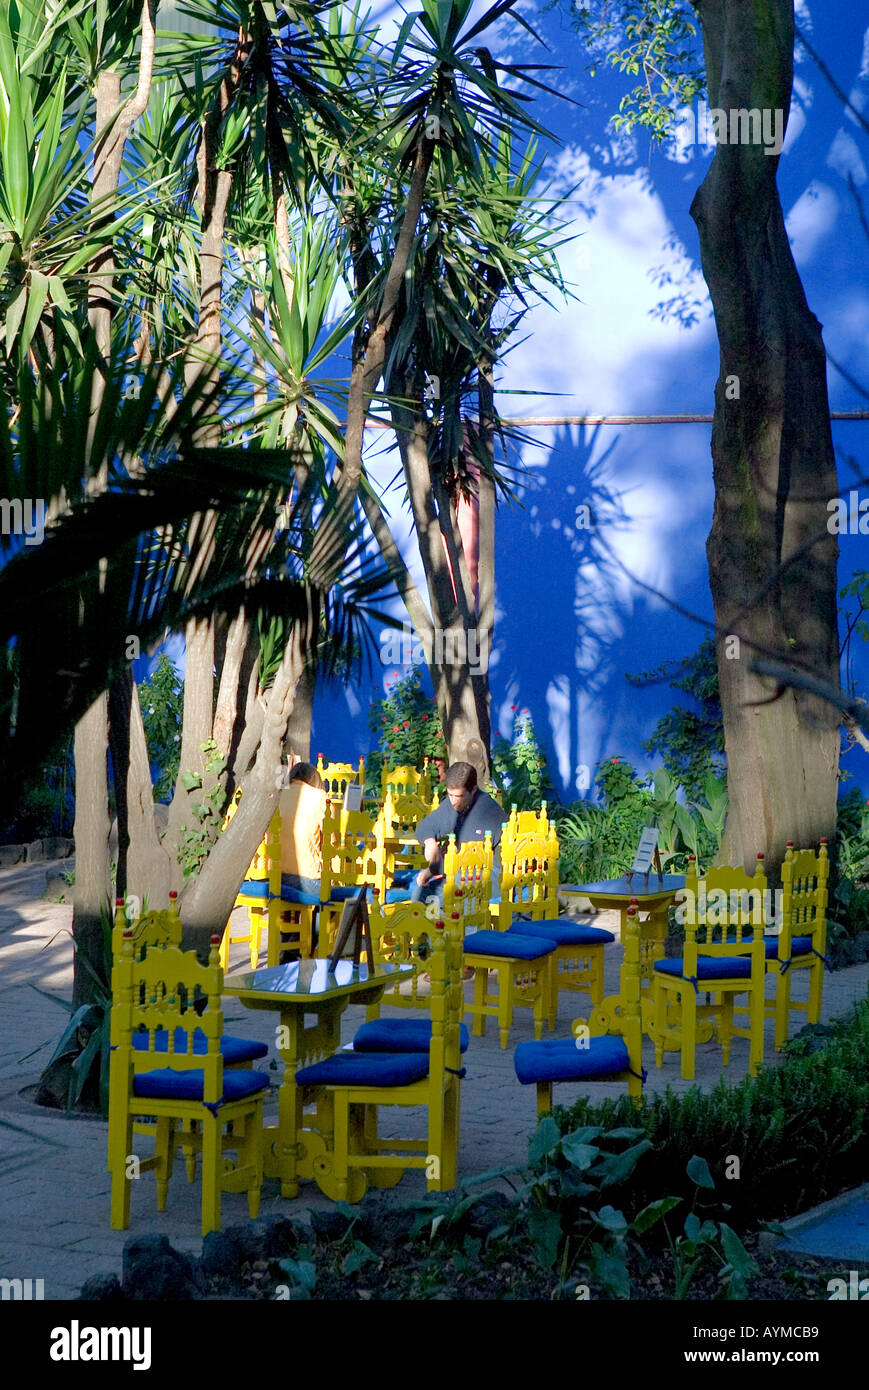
505,1005
212,1165
689,1031
120,1207
436,1128
252,1155
757,1021
816,990
659,1004
341,1142
726,1004
544,1098
223,953
481,978
783,1007
595,971
450,1162
165,1157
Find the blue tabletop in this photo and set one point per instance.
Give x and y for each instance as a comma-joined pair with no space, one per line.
640,887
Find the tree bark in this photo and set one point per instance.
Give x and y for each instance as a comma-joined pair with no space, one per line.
91,832
772,563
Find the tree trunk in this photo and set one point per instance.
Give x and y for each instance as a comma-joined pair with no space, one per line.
91,831
143,865
195,730
299,728
772,562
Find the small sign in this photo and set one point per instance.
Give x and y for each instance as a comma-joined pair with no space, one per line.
645,850
353,796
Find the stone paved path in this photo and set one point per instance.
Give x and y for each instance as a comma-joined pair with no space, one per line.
54,1188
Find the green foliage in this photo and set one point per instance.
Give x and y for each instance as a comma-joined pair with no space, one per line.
656,40
519,766
408,727
196,844
690,741
799,1131
81,1057
599,842
848,906
162,701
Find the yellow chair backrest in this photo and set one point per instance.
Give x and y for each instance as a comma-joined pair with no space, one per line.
336,776
403,781
156,993
155,928
527,822
804,876
723,913
404,812
404,937
354,851
446,1003
529,878
468,882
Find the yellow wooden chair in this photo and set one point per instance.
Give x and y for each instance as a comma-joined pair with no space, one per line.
350,1086
521,964
336,776
724,955
614,1056
803,938
402,814
155,929
290,910
354,860
153,998
529,906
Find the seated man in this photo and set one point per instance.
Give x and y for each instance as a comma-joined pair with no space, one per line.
467,813
303,805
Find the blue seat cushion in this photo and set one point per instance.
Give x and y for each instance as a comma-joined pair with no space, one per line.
233,1050
167,1084
563,933
400,1035
800,945
397,895
402,878
506,943
366,1069
254,888
292,893
341,893
710,967
562,1060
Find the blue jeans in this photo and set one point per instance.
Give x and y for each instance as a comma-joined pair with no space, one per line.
428,892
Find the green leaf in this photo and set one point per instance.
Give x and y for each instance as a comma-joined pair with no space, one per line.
645,1219
735,1252
616,1168
544,1232
302,1271
190,781
610,1271
580,1155
359,1256
544,1141
698,1171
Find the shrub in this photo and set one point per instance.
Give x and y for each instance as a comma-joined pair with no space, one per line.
799,1131
408,728
519,766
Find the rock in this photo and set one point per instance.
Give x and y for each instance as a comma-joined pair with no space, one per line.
221,1254
153,1269
57,847
12,854
328,1225
56,883
35,851
104,1288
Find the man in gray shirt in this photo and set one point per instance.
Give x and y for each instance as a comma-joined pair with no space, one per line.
466,813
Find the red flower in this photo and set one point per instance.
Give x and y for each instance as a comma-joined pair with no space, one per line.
405,724
514,706
395,728
425,716
615,760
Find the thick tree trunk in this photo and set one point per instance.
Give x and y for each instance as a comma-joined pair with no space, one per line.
91,831
772,563
195,730
143,865
299,728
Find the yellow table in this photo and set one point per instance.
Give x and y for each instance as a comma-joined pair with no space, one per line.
654,895
305,987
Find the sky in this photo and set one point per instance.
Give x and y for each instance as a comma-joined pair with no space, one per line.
637,337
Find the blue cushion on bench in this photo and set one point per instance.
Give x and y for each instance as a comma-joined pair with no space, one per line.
366,1069
403,878
507,943
397,895
166,1084
232,1049
562,1060
710,967
254,888
563,933
399,1035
